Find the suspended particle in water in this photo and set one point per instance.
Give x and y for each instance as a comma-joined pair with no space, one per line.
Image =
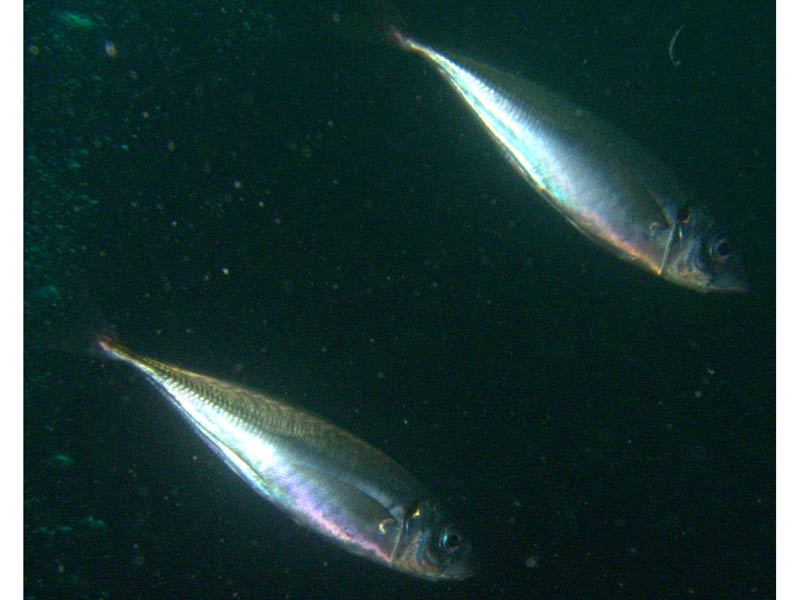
63,460
110,48
671,48
75,20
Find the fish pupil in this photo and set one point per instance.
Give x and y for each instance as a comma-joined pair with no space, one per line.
723,249
451,542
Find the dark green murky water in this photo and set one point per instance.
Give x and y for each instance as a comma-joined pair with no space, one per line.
240,191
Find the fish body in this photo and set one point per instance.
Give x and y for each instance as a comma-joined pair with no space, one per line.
322,476
604,183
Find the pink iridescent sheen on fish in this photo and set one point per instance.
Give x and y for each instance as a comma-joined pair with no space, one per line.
604,183
323,477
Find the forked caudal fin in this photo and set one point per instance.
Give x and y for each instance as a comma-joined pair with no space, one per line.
64,318
375,22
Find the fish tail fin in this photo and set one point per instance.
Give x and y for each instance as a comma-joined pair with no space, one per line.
369,21
105,344
63,317
398,38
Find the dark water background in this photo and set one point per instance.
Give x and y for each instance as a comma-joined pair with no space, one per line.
242,192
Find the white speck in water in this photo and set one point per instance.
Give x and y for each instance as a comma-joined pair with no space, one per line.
532,561
110,49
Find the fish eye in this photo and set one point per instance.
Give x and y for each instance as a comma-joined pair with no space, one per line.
683,214
721,250
450,541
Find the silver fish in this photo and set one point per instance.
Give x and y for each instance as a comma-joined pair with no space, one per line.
604,183
323,477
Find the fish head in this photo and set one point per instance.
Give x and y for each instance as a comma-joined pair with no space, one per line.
702,256
431,546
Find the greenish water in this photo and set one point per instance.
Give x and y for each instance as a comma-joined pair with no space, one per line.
241,192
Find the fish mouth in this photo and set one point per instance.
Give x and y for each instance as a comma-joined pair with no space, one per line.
729,286
741,287
452,568
697,272
468,568
465,567
734,280
718,285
